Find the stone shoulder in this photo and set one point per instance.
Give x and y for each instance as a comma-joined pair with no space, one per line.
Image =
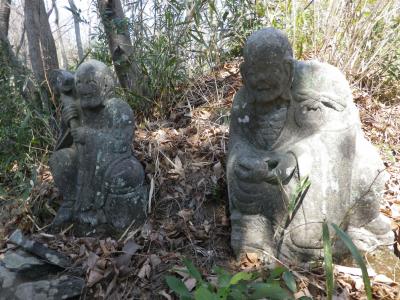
242,109
119,112
239,101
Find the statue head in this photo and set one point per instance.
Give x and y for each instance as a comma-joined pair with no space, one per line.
94,83
321,94
267,69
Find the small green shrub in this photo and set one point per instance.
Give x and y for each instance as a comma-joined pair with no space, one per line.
25,135
279,285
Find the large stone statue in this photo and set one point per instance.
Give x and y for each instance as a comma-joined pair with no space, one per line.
294,123
102,183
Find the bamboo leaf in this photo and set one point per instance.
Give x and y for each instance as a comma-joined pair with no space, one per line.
357,256
193,270
277,272
290,281
178,287
202,293
328,261
267,290
240,276
224,277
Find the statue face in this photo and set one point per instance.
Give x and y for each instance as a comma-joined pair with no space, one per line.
88,88
266,80
321,94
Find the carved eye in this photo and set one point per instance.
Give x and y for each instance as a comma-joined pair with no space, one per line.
309,114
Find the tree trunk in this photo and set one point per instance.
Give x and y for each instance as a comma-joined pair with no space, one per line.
60,37
77,29
19,70
4,16
120,45
6,52
42,48
21,41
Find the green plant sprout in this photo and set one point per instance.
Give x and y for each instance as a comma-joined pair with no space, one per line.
279,285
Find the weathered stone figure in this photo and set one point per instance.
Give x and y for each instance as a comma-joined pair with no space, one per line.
257,119
346,173
306,129
100,180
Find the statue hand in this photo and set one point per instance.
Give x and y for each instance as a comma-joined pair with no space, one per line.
70,112
251,169
281,167
79,134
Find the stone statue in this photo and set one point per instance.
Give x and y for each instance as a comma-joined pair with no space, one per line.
102,183
295,122
257,119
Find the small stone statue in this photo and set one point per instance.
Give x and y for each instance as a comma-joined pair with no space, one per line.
102,183
294,123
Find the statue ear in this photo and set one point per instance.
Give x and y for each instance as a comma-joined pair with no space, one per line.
242,68
288,64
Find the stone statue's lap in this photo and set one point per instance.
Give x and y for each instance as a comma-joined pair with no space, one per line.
63,164
123,175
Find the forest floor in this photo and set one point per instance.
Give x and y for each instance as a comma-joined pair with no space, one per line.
184,159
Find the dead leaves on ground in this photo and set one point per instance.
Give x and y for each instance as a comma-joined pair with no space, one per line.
184,158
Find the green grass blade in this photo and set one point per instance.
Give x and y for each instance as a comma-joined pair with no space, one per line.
290,281
178,287
328,261
240,276
193,270
261,290
357,256
276,273
202,293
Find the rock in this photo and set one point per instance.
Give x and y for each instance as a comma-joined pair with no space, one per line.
298,157
8,279
26,266
64,287
102,183
39,249
31,272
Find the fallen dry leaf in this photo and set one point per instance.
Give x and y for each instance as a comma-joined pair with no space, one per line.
145,270
91,260
190,283
155,260
165,295
94,277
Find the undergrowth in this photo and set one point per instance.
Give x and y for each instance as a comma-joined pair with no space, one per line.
25,137
275,284
177,41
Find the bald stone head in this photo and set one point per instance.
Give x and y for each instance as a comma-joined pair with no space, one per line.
267,69
94,83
